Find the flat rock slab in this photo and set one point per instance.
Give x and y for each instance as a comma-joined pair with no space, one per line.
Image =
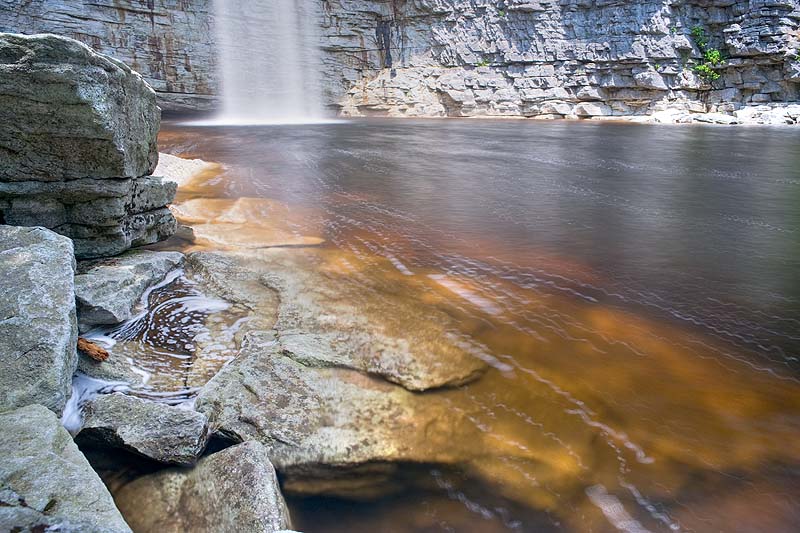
107,290
46,484
232,490
158,431
38,331
67,112
328,317
330,430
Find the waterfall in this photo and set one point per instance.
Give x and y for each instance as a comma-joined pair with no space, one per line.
269,61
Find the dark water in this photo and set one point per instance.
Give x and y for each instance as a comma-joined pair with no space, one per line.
642,282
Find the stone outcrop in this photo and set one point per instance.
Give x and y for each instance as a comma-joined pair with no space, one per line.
77,146
158,431
46,484
323,322
107,290
168,41
232,490
532,58
38,331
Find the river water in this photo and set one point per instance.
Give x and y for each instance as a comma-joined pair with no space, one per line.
637,287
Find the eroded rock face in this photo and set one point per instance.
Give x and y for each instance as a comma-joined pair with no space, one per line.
155,430
471,57
107,290
46,484
77,146
232,490
38,331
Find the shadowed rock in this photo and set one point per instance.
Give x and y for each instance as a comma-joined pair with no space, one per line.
38,333
232,490
46,484
108,289
161,432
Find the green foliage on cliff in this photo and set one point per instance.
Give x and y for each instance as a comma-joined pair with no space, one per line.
711,56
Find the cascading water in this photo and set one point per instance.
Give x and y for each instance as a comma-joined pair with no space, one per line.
269,61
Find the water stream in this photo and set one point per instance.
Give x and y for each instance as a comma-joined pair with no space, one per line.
636,289
269,61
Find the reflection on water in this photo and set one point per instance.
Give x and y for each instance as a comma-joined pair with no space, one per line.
636,286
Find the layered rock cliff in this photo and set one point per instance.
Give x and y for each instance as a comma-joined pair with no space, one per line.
547,58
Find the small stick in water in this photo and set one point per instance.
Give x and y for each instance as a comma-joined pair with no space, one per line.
92,350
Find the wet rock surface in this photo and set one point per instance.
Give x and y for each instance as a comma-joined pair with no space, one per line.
77,146
38,331
324,319
328,430
155,430
46,484
107,290
232,490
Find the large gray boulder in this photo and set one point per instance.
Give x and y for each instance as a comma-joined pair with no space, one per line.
159,431
107,290
46,484
69,113
77,146
38,331
232,490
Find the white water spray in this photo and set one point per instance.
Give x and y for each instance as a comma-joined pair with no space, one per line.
269,61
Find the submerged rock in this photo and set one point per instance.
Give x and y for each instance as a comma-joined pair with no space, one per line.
107,290
181,171
155,430
46,484
38,333
232,490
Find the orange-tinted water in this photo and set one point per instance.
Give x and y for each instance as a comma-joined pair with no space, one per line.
636,290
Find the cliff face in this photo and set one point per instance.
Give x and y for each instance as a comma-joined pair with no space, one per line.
561,57
473,57
170,42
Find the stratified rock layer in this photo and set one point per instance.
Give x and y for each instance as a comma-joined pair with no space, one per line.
46,484
38,332
537,58
232,490
77,145
155,430
107,290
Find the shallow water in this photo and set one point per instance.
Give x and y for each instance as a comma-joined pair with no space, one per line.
635,288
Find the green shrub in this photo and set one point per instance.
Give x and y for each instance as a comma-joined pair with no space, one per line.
711,56
705,72
482,63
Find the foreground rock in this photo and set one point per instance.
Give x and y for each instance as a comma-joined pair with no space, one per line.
38,332
330,430
232,490
155,430
77,146
329,317
182,171
46,484
107,290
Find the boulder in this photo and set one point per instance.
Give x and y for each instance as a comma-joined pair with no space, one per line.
232,490
159,431
68,113
77,146
107,290
38,331
326,319
331,430
46,484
